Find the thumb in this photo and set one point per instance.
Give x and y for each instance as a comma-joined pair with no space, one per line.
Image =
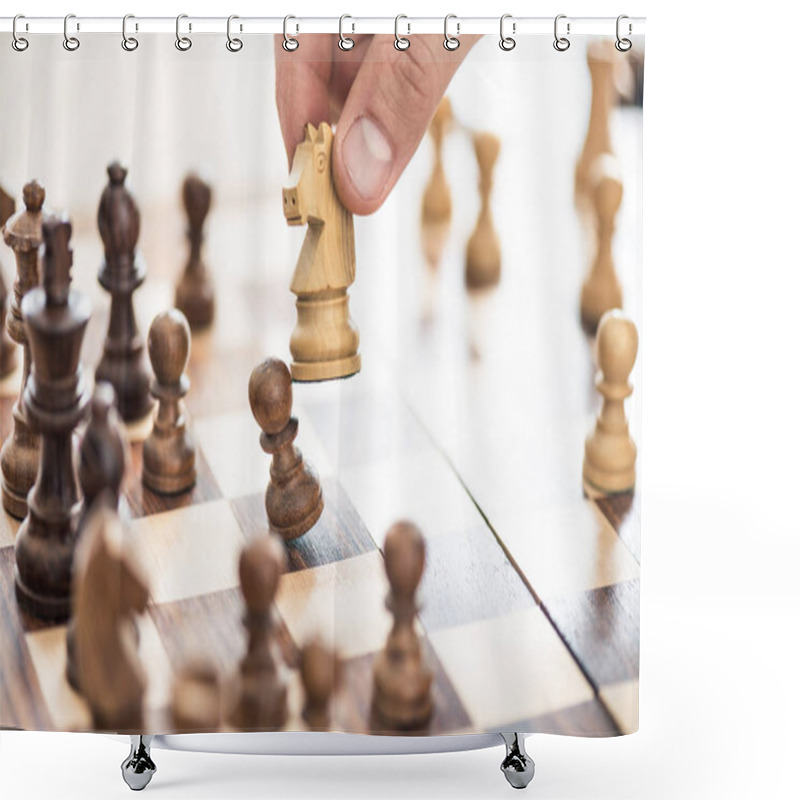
386,114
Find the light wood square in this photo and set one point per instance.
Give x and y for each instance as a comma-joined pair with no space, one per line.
48,651
622,700
342,602
567,549
421,488
230,444
69,711
484,660
189,551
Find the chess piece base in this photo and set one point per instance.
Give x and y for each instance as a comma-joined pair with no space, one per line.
483,260
607,479
44,551
401,716
169,463
295,529
130,382
402,698
196,301
169,484
307,372
41,606
324,343
19,463
15,504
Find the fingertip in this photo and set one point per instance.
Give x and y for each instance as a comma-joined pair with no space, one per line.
363,166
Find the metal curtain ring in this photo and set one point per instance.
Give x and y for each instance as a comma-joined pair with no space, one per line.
345,42
19,43
400,42
129,43
71,43
622,44
561,43
290,44
507,42
233,44
183,43
451,42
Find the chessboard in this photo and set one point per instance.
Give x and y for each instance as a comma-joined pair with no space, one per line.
468,418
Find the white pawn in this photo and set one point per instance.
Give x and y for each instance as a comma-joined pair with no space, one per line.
609,464
601,290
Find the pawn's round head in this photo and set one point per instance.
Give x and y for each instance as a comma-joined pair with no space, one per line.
104,399
116,173
318,670
404,554
617,345
33,196
270,391
103,454
261,565
168,343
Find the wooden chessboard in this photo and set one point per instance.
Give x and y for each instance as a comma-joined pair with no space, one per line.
468,418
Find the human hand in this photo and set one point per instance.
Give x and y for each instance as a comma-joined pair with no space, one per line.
380,98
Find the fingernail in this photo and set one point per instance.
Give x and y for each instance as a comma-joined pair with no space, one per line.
367,157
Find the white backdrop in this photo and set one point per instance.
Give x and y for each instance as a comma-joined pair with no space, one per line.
721,538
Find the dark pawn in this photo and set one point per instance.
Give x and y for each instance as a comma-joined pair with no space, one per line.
55,402
169,450
194,294
401,697
121,273
19,459
8,350
263,675
319,672
294,496
101,469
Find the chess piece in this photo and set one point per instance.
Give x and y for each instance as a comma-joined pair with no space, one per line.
324,344
601,290
196,699
19,458
108,592
601,58
319,674
294,497
121,273
437,205
401,697
101,470
169,450
194,294
55,401
483,248
609,464
263,674
437,208
8,349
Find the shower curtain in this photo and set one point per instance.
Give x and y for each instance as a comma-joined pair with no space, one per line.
468,464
